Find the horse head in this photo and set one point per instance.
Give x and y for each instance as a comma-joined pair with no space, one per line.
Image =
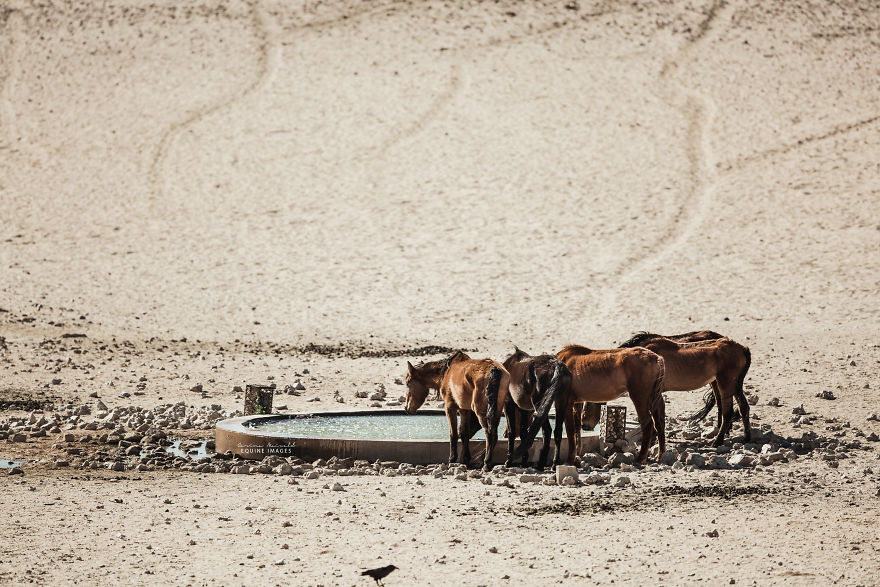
416,388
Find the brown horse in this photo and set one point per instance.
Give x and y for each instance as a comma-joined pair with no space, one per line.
478,386
721,362
545,381
591,412
604,375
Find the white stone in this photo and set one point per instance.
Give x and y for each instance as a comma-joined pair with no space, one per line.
563,471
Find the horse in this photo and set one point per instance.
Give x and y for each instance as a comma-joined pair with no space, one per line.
479,386
693,336
721,362
591,411
604,375
541,381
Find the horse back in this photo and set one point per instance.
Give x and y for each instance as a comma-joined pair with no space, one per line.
606,374
466,384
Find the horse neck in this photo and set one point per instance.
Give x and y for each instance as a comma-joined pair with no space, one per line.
432,378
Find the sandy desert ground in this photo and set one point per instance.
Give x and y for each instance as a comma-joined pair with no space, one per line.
215,193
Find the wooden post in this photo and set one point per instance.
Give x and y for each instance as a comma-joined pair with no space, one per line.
258,399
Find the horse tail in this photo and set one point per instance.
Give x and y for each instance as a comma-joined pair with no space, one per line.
738,390
492,388
559,382
656,397
742,375
709,401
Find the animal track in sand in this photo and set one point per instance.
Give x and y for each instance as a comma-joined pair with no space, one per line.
407,131
270,61
13,39
746,160
699,110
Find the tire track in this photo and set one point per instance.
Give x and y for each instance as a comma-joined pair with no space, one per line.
699,111
270,61
14,32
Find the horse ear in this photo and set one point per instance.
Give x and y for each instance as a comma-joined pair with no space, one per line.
409,368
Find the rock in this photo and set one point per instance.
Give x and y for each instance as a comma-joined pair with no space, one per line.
459,477
298,386
283,469
563,471
873,417
620,458
17,437
569,480
485,481
241,470
622,481
530,478
798,410
197,388
493,549
596,478
16,471
774,401
752,399
592,459
377,396
337,487
872,437
116,466
826,394
741,460
668,457
696,459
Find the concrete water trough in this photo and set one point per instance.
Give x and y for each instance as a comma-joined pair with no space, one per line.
392,435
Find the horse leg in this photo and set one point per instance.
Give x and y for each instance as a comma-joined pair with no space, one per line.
646,422
510,411
570,432
452,418
557,431
523,434
491,439
726,405
743,404
465,433
716,391
545,450
660,425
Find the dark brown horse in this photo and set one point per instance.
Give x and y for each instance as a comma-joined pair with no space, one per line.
722,363
478,386
545,381
604,375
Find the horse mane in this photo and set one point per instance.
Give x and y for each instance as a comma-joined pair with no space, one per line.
453,358
639,338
